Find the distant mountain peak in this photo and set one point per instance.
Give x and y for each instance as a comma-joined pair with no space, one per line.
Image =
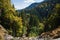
32,5
36,4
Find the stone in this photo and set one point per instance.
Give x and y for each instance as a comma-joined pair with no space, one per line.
2,32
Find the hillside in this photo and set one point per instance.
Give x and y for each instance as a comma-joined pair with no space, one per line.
46,12
31,21
42,9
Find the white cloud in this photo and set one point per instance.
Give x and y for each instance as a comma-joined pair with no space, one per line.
29,1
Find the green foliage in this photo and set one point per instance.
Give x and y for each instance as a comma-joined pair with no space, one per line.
31,23
35,27
9,20
53,21
31,34
41,27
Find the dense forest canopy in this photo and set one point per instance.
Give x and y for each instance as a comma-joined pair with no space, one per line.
42,18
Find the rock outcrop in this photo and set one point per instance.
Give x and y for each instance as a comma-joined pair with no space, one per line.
53,34
2,32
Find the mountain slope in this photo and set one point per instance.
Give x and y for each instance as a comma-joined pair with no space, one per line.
32,6
42,9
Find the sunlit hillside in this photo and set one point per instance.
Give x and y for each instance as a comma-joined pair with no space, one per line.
32,21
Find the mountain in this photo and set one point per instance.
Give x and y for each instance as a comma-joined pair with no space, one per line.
42,9
32,6
31,21
29,7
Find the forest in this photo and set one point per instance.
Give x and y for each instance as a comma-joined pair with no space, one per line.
30,22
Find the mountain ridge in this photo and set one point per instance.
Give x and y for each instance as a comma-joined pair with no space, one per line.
37,3
40,8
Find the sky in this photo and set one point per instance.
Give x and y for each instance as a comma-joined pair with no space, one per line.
21,4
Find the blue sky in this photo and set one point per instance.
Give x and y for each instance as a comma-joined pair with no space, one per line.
20,4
